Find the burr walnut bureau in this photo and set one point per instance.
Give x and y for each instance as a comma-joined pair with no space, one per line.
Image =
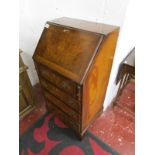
73,60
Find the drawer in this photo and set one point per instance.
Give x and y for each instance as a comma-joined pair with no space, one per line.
63,117
68,100
59,81
74,115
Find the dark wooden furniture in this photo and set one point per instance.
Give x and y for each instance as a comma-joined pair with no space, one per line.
126,73
26,99
73,59
126,70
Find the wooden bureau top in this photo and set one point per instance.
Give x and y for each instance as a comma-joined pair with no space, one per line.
85,25
68,46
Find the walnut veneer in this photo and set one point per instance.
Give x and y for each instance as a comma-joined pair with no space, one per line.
73,59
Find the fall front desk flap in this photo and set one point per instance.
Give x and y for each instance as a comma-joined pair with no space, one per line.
68,46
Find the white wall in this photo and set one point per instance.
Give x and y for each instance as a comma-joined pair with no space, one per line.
125,44
34,14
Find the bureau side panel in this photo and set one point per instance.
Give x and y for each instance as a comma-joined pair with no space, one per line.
95,84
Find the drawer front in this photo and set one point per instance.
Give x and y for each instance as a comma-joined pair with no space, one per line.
61,82
74,115
68,100
63,117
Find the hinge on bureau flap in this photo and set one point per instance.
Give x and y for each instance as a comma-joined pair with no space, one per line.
79,92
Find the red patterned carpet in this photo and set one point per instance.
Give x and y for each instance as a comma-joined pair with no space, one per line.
115,126
49,136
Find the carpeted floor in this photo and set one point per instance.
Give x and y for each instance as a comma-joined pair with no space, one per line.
116,127
49,136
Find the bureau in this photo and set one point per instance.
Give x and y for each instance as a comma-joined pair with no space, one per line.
73,60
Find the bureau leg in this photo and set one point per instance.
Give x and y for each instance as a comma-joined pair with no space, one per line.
79,136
